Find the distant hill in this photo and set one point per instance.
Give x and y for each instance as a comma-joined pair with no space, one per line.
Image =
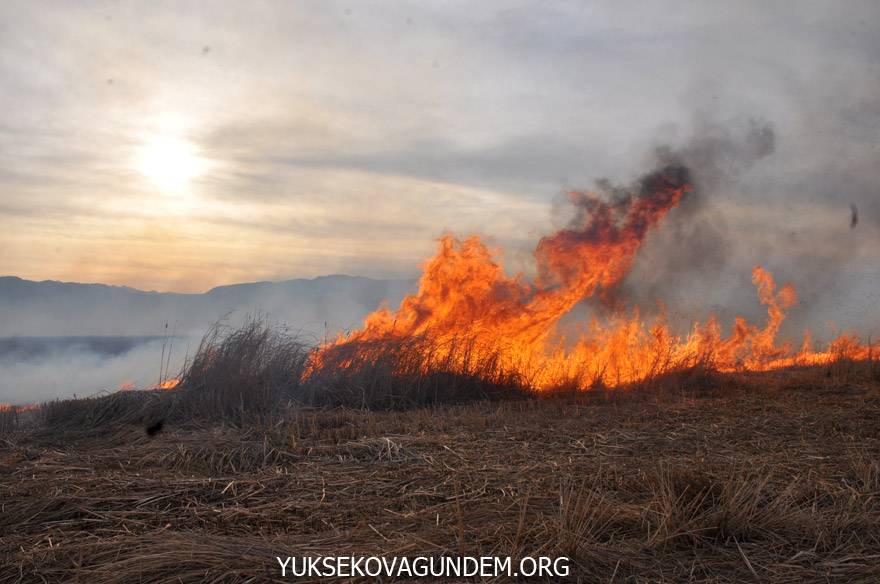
319,305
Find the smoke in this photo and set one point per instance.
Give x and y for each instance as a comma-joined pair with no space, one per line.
692,244
742,211
607,229
685,251
720,153
65,368
54,337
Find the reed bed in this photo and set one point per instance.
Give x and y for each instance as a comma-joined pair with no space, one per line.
253,374
9,420
398,373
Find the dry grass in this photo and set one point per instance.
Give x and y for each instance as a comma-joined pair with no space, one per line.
404,373
250,376
240,374
9,420
764,478
98,412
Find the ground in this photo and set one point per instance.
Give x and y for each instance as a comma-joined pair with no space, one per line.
768,478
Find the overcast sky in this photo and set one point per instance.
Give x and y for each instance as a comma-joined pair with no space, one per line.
182,145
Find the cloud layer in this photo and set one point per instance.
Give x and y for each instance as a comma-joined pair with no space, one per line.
345,137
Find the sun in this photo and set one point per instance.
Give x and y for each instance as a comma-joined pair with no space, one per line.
170,163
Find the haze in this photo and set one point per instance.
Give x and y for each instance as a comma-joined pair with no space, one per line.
326,137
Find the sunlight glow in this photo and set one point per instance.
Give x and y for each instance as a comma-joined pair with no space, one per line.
170,163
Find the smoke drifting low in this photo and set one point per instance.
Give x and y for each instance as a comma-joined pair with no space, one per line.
77,367
57,339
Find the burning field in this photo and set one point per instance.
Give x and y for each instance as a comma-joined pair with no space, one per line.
589,285
468,312
477,418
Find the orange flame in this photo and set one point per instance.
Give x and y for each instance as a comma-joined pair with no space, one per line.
464,293
6,407
165,385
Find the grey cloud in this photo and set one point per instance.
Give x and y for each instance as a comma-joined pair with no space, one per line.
521,99
532,165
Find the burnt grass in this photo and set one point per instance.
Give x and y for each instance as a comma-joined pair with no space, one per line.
765,478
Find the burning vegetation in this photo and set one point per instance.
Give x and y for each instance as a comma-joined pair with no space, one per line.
756,473
467,311
471,331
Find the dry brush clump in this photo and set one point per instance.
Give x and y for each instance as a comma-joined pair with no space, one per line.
258,370
407,372
9,420
241,373
237,376
112,409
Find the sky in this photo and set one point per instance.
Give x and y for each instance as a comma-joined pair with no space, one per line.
177,146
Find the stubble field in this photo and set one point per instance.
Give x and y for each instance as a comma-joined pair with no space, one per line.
770,478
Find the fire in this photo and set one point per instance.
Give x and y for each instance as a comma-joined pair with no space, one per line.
165,385
465,297
6,407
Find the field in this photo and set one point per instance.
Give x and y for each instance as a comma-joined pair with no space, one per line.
770,477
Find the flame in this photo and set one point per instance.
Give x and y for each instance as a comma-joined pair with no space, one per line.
165,385
464,293
6,407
